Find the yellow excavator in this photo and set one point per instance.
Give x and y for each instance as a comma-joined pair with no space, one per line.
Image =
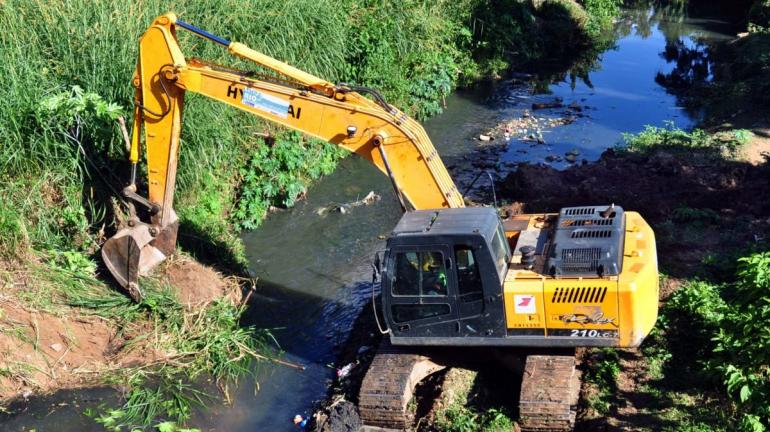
451,276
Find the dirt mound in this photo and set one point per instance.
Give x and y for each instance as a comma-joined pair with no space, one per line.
41,352
195,283
654,184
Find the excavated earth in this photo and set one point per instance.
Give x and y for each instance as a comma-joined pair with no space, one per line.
729,197
48,349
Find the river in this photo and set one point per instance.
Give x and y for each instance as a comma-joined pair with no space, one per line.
314,269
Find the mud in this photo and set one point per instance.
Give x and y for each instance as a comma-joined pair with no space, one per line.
42,351
196,284
341,417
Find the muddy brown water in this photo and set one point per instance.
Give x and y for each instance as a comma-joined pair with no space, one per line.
314,269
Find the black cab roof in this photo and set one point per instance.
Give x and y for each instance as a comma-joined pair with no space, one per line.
457,221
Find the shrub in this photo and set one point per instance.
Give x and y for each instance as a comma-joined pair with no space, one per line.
723,337
672,138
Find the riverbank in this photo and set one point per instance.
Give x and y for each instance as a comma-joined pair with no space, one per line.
702,205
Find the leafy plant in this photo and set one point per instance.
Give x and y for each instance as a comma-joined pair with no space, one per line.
277,174
743,343
603,373
458,418
671,137
719,335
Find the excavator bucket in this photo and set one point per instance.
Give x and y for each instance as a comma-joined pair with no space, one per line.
134,251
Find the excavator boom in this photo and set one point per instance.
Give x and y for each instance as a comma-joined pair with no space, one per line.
339,114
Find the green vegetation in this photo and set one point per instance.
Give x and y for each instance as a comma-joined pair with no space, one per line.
278,172
556,32
733,78
716,341
603,373
468,406
675,139
462,419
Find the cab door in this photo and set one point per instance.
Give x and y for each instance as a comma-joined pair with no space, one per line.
470,288
420,292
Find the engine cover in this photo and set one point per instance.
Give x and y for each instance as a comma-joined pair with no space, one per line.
587,242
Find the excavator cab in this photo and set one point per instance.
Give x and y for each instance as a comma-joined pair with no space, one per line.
442,276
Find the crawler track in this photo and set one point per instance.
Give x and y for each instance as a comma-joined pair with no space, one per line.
389,384
550,388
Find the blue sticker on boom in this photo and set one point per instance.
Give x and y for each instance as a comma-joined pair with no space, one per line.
265,102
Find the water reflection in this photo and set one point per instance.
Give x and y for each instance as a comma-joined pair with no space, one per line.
650,54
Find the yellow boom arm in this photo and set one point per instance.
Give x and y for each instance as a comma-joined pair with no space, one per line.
388,138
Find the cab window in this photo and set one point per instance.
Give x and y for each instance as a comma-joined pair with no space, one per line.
500,252
420,273
468,277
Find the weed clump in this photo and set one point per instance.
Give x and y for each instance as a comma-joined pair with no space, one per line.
717,337
672,138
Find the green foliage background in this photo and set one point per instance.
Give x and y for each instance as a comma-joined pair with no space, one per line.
718,334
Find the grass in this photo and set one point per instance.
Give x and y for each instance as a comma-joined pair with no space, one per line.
672,138
191,344
466,405
603,371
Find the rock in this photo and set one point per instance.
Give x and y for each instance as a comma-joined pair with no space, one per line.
57,347
571,158
343,417
485,137
574,152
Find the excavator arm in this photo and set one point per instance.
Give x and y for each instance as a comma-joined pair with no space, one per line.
339,114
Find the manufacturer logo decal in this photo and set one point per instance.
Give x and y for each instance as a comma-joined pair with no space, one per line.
524,304
265,102
583,319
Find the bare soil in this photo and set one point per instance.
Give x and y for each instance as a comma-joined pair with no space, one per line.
664,186
196,284
757,151
42,351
